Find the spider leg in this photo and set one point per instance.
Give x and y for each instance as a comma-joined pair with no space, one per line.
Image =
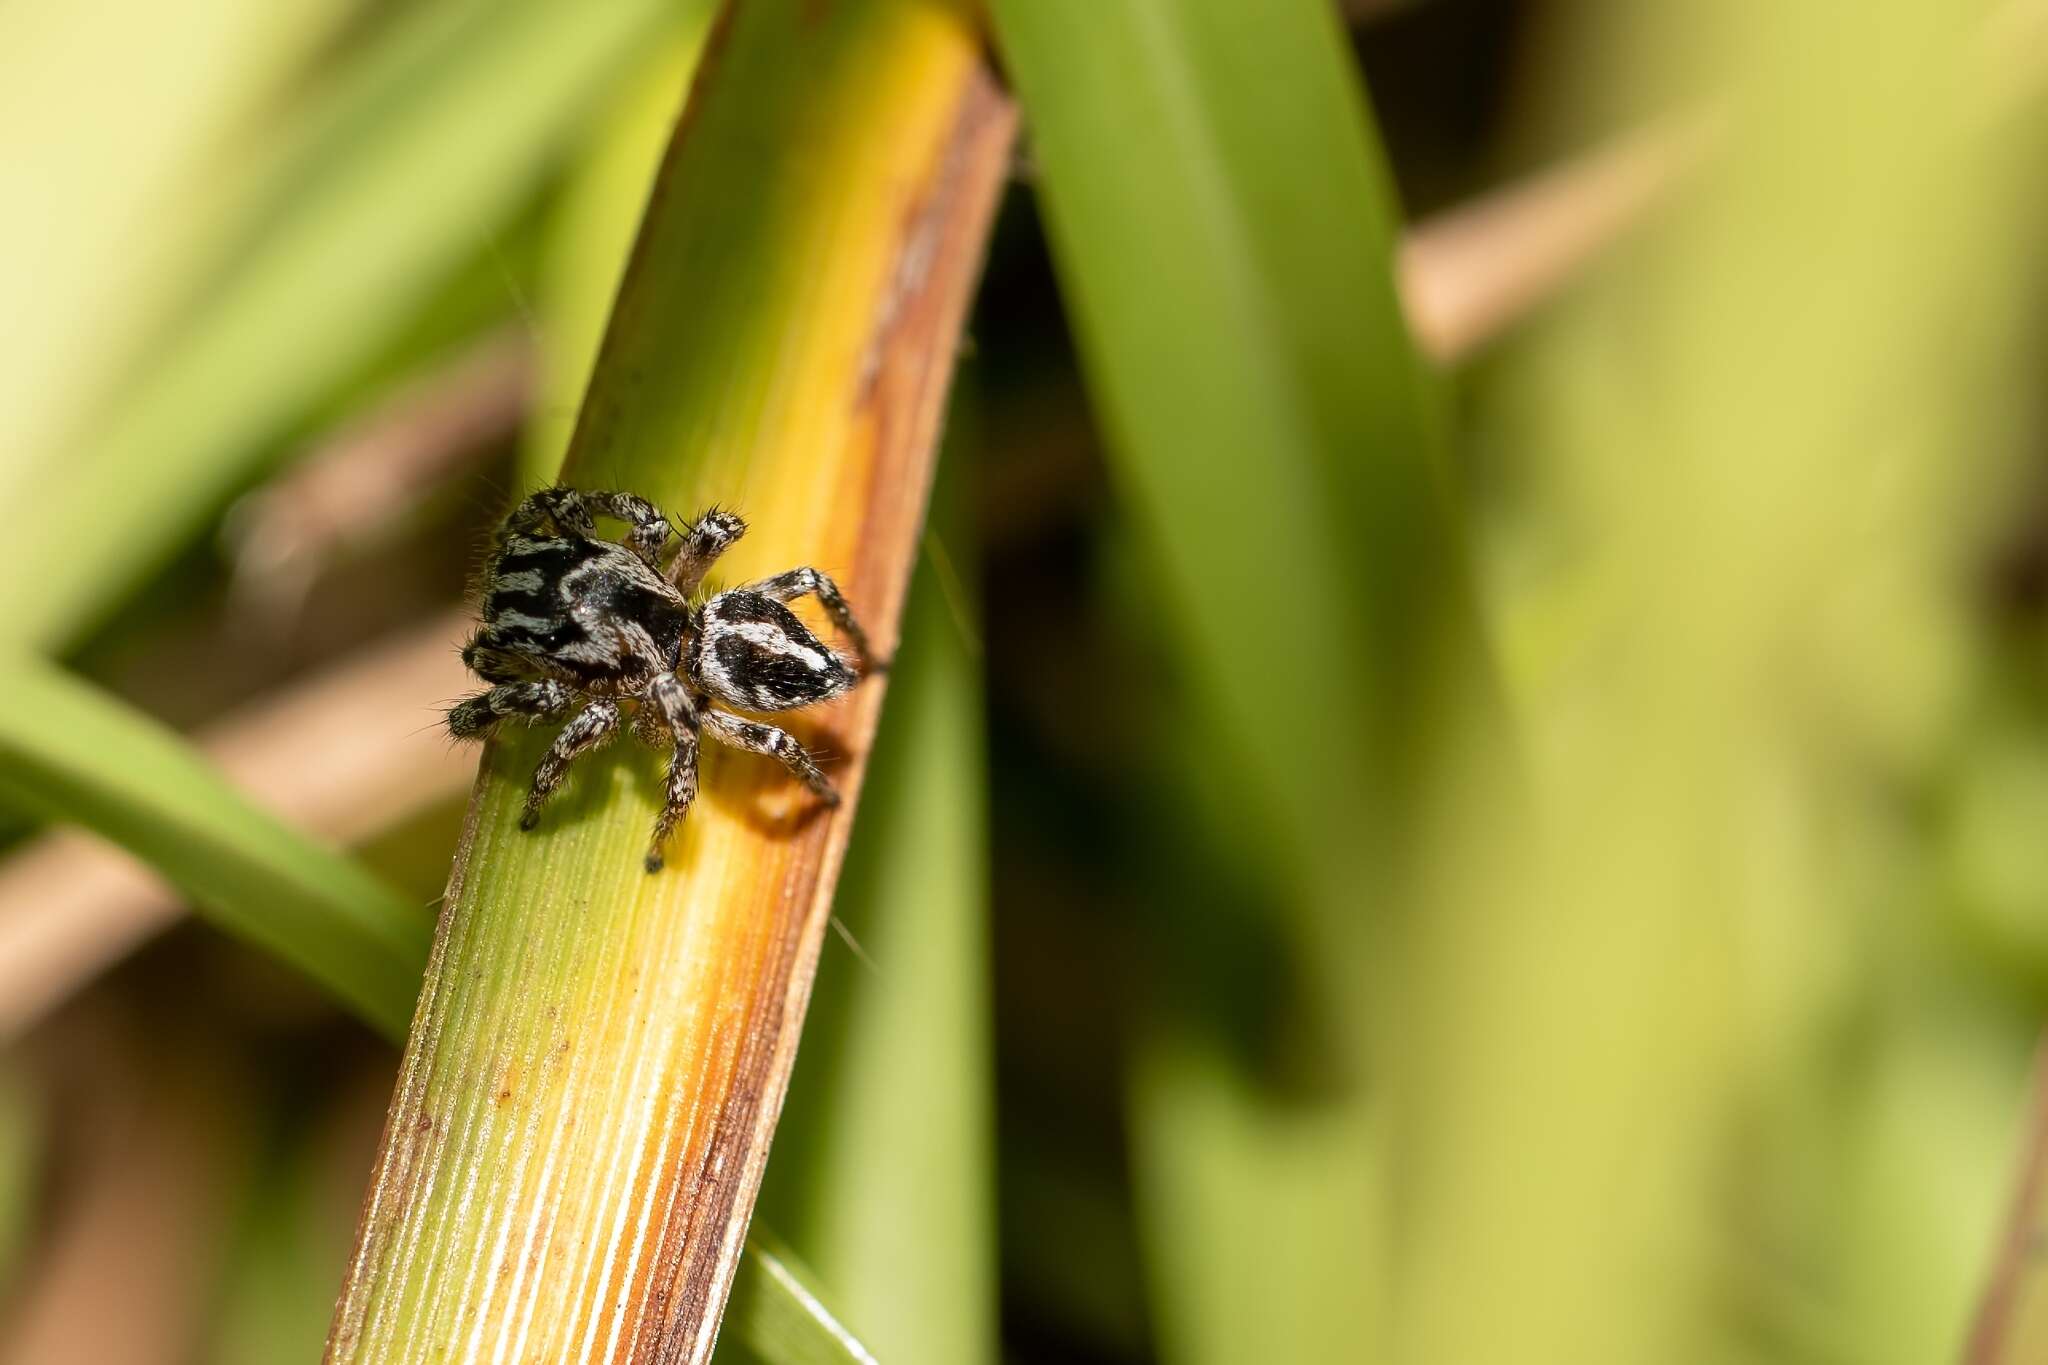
671,700
592,726
777,744
551,509
709,536
570,510
650,532
495,664
787,587
476,715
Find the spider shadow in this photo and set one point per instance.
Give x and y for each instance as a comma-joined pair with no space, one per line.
754,787
758,789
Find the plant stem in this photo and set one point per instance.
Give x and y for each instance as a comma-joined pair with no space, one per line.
600,1055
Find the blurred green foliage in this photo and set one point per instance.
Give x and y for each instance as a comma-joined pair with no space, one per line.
1225,241
408,159
69,754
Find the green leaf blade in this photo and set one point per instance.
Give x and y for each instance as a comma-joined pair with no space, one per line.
1224,233
455,119
69,753
1223,226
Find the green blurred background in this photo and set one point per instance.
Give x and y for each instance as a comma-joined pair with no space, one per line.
1387,843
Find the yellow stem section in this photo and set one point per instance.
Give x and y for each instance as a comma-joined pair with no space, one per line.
600,1055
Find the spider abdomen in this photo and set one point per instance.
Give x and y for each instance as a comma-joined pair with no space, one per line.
587,610
751,651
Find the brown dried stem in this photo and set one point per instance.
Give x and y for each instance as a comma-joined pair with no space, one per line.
1469,273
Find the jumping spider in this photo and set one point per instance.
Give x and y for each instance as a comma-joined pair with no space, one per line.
576,623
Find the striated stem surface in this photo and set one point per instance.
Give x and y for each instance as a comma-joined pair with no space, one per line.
600,1055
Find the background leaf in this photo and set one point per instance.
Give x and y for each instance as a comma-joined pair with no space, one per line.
378,191
69,753
1224,231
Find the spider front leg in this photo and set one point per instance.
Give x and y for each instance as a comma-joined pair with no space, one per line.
593,725
787,587
550,510
777,744
710,536
650,528
477,715
670,700
569,510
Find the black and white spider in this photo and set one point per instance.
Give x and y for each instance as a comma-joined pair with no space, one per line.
576,623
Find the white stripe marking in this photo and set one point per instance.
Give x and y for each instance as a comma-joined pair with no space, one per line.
776,640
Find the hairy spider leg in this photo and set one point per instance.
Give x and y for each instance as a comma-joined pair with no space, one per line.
542,700
709,536
551,509
569,510
592,726
670,697
650,532
787,587
780,745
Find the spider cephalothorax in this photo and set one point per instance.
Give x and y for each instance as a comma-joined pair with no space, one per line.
577,624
